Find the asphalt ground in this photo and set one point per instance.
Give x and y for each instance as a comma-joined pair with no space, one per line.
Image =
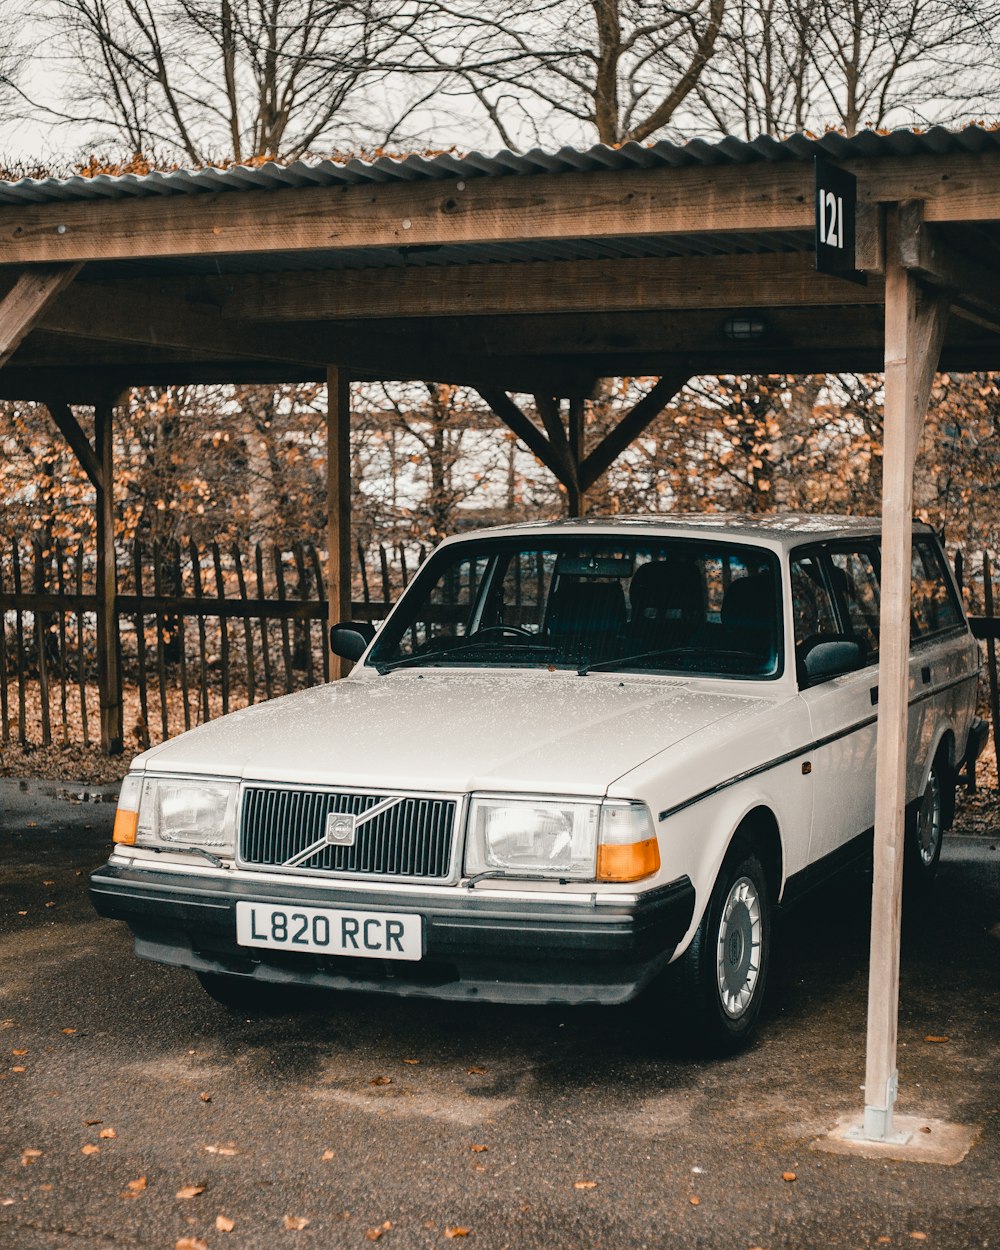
534,1128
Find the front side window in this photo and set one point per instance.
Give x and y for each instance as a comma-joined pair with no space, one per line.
666,605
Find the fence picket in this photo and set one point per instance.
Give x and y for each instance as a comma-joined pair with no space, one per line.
264,641
161,659
4,704
321,597
63,706
286,646
178,579
22,728
140,646
81,659
220,586
247,630
204,710
306,625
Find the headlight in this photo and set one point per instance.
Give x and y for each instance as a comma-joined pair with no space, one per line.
561,838
187,811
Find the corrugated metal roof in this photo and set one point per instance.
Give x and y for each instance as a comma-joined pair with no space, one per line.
729,151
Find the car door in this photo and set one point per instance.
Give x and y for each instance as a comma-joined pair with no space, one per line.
835,595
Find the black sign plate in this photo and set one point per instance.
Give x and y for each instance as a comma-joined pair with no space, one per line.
836,209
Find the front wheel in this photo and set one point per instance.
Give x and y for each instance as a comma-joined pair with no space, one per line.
724,970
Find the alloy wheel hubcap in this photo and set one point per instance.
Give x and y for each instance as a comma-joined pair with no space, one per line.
929,821
739,948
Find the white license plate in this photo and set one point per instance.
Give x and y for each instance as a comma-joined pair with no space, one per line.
370,934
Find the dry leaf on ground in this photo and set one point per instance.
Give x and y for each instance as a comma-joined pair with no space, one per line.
327,1154
476,1071
91,1123
30,1155
205,1097
585,1184
190,1243
918,1236
381,1080
19,1067
478,1149
69,1032
107,1132
90,1149
932,1037
788,1176
190,1191
6,1202
224,1223
373,1234
295,1223
695,1200
221,1150
411,1060
19,1052
458,1231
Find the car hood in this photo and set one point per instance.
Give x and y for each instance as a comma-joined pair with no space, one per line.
455,732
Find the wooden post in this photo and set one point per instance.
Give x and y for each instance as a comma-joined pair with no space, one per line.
109,677
576,503
912,346
991,655
338,504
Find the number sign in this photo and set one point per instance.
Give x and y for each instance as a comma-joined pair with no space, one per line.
836,202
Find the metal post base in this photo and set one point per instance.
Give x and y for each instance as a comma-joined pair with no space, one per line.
877,1125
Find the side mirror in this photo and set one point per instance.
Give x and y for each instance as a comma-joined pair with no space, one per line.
350,639
832,659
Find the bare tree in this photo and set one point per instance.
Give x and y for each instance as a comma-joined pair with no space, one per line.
237,79
613,70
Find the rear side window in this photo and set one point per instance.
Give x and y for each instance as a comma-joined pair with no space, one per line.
933,607
812,607
855,580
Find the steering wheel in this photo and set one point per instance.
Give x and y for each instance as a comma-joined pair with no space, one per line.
518,631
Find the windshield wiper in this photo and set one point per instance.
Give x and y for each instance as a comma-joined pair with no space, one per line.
623,661
446,653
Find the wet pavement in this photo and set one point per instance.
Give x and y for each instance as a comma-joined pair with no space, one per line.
407,1122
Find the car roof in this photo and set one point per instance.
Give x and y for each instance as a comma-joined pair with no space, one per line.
780,530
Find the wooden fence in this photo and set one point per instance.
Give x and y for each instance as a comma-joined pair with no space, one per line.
199,632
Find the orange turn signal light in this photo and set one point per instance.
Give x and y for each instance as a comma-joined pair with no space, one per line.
126,825
629,862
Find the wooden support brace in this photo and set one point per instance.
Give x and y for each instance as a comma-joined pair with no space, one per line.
23,305
629,428
921,252
62,415
526,430
338,505
914,332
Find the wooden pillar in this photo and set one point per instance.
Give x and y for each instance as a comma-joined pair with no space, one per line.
575,502
109,674
338,504
913,334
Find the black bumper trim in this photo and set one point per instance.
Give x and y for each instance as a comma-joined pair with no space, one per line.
497,949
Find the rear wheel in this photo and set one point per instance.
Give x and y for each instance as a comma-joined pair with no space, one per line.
724,970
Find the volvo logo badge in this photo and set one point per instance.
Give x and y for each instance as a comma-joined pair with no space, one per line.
341,829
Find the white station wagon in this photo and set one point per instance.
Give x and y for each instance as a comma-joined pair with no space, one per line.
575,754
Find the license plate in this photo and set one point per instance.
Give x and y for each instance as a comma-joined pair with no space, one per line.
367,934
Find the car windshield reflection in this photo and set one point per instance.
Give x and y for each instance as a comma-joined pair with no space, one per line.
684,606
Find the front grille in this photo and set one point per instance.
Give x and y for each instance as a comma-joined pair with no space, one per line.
410,837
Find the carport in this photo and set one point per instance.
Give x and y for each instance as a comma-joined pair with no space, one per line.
537,274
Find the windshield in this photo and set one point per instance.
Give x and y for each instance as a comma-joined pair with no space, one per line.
686,606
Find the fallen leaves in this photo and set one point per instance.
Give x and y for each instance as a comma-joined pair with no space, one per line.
585,1184
6,1202
205,1097
18,1067
190,1243
933,1037
458,1231
381,1080
477,1071
107,1133
478,1150
91,1123
695,1200
327,1155
29,1156
19,1052
190,1191
90,1149
918,1236
373,1234
295,1223
788,1176
224,1223
69,1032
221,1150
134,1188
411,1060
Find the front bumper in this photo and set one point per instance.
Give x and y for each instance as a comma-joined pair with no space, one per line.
475,946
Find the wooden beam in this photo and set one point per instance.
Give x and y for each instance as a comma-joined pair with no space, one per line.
566,286
109,676
922,252
133,314
630,427
767,196
62,415
338,505
27,300
913,337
